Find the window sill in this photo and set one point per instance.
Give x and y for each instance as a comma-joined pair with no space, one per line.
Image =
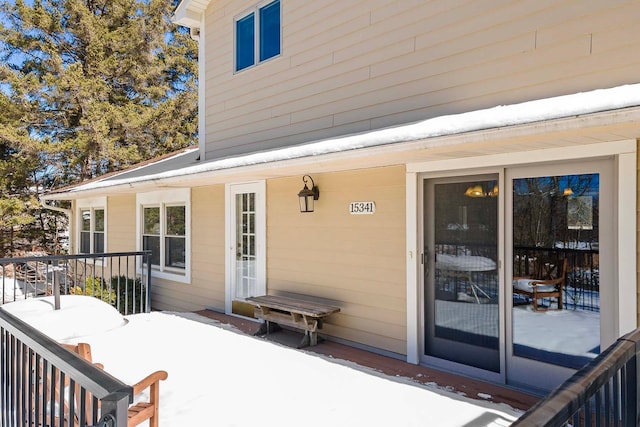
174,276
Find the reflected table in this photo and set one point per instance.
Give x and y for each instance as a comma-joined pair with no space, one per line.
466,264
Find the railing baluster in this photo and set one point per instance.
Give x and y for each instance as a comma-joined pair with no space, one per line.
30,388
598,407
607,404
21,384
617,404
11,381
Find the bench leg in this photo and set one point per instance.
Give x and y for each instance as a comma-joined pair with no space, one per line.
305,340
310,338
266,328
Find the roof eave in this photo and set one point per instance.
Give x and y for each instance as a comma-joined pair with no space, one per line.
189,13
382,155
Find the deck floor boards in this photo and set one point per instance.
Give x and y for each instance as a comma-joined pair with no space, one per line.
472,388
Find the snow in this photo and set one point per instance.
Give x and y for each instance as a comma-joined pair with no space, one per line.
563,333
500,116
220,377
570,332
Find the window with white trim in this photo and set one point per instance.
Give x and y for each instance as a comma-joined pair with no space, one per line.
164,230
164,234
257,35
92,226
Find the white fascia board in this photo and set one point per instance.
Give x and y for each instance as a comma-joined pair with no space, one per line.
189,13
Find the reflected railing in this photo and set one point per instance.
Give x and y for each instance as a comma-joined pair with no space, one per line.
582,283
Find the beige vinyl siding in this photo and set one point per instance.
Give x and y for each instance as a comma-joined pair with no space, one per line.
354,261
353,66
121,226
207,258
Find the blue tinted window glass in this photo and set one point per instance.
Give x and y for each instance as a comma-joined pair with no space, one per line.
245,42
270,30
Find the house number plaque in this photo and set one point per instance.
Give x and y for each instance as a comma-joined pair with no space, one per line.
362,208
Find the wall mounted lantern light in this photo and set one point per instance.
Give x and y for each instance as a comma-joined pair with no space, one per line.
307,196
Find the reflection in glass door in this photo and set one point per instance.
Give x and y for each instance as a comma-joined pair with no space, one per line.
556,265
462,316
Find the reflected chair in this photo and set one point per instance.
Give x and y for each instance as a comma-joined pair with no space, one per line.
546,282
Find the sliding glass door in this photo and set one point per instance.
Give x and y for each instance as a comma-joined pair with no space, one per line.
518,279
560,270
461,309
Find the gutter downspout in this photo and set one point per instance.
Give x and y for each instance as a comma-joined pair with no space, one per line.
44,204
67,212
194,33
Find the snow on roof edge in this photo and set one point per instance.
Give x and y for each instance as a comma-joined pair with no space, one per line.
143,164
500,116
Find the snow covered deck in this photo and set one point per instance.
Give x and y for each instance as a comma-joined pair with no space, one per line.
212,367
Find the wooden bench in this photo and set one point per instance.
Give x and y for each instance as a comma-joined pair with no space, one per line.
294,312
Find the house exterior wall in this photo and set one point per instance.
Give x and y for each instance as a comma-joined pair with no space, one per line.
354,261
354,66
207,258
120,210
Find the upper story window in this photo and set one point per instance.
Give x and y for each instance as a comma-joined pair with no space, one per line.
92,226
257,35
164,229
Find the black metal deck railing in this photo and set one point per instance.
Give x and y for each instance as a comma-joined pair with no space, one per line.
603,393
41,382
44,384
122,279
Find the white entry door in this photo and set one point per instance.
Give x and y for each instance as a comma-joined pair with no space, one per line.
246,254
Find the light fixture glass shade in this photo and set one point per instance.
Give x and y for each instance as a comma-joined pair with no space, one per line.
307,196
474,191
306,199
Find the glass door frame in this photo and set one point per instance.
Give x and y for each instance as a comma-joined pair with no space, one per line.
231,190
537,375
457,176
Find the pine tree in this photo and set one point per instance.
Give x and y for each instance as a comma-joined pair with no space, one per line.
87,87
105,83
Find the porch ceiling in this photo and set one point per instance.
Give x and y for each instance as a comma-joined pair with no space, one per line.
608,126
